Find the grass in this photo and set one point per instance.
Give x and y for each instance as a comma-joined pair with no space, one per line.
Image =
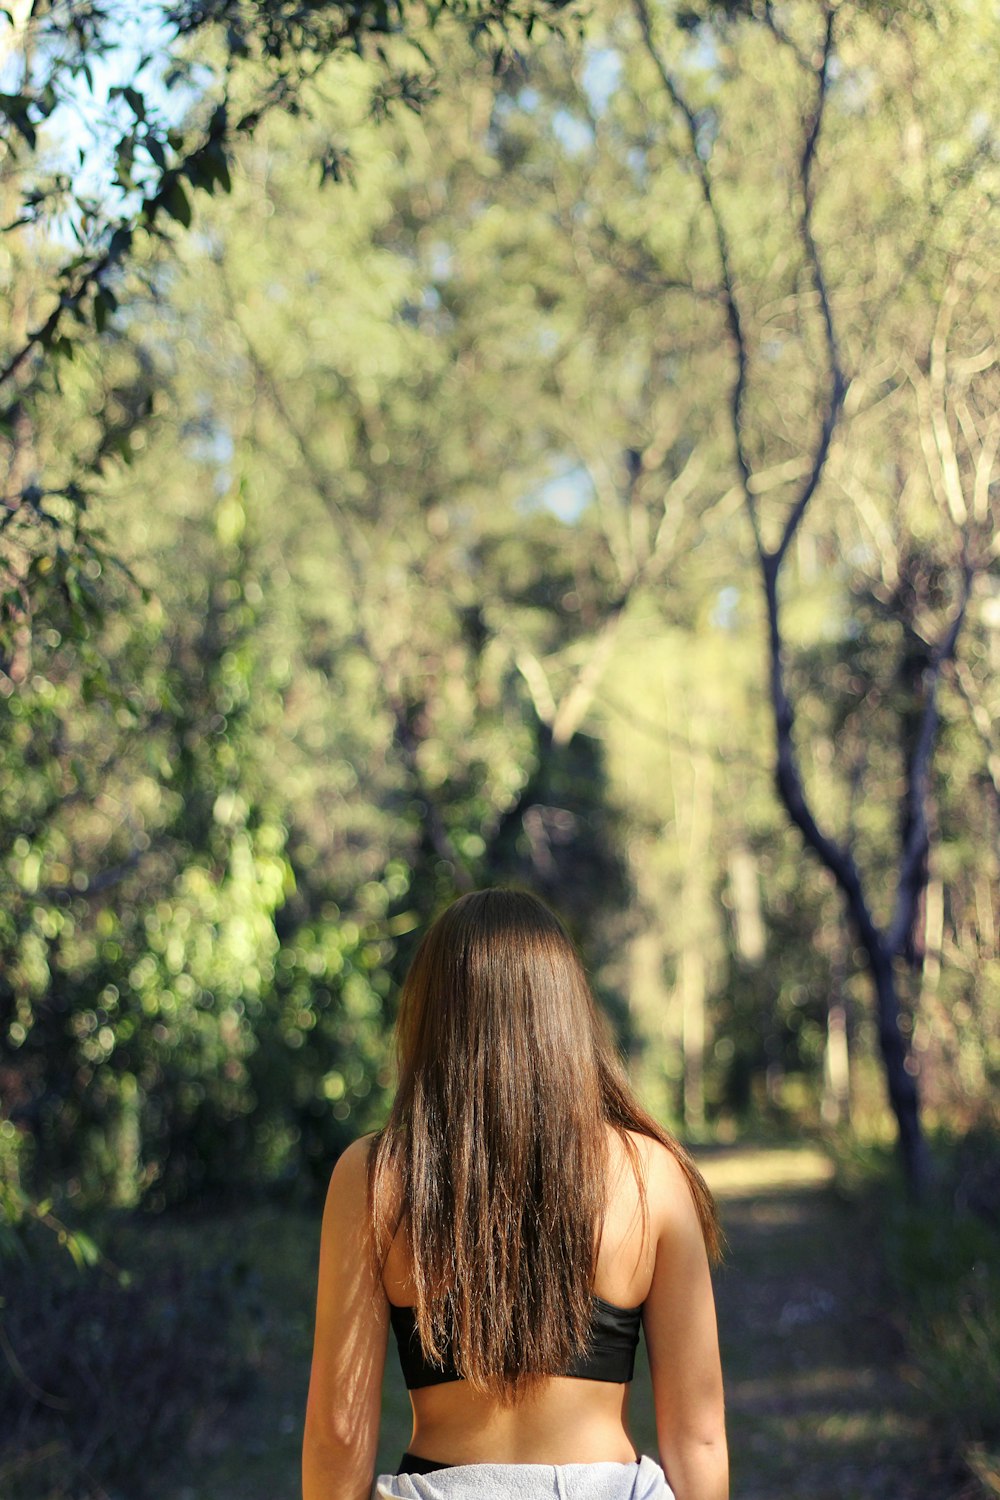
816,1403
820,1389
815,1407
942,1260
251,1451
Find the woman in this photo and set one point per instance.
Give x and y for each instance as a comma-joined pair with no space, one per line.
514,1220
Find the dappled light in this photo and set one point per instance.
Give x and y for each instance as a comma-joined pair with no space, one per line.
547,446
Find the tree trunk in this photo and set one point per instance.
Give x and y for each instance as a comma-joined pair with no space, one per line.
836,1105
900,1073
693,985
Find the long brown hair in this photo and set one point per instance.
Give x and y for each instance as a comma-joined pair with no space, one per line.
497,1142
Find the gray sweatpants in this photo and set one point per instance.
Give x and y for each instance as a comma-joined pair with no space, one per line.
607,1481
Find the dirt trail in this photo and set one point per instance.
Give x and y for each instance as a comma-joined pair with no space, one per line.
818,1407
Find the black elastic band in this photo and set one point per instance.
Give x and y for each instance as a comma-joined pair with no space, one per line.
412,1463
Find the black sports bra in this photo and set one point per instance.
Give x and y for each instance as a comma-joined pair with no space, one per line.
609,1355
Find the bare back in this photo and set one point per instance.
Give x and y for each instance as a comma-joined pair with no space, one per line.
568,1420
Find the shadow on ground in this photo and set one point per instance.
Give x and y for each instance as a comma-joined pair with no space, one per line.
818,1403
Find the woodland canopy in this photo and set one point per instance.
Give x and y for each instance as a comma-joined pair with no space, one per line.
448,445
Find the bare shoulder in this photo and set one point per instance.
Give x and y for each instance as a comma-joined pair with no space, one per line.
668,1190
349,1178
348,1198
353,1160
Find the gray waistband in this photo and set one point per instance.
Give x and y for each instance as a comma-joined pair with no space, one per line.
612,1481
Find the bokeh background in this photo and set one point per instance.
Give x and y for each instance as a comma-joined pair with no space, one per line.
458,444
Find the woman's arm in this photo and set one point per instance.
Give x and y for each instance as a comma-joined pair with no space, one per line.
682,1340
352,1322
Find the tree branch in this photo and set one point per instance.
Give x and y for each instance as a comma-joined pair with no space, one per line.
356,546
838,859
733,316
983,722
912,868
574,705
838,384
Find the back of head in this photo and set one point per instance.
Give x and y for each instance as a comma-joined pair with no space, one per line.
497,1031
508,1078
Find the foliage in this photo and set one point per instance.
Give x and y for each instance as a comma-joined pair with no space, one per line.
366,543
943,1264
414,562
199,80
105,1369
215,51
274,779
135,991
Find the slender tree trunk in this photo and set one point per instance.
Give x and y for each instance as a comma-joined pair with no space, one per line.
693,986
881,945
15,559
900,1072
836,1106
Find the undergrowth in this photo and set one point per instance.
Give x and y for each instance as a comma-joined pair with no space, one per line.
942,1262
104,1367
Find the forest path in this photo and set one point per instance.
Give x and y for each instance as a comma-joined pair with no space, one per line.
817,1404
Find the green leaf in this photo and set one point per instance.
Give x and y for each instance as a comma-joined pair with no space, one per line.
136,102
121,241
176,202
15,107
101,309
124,159
82,1248
208,167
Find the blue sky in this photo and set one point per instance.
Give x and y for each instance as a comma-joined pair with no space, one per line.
87,120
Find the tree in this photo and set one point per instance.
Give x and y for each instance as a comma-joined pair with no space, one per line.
431,519
811,41
242,62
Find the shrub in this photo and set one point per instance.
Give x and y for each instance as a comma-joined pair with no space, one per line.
103,1370
942,1258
